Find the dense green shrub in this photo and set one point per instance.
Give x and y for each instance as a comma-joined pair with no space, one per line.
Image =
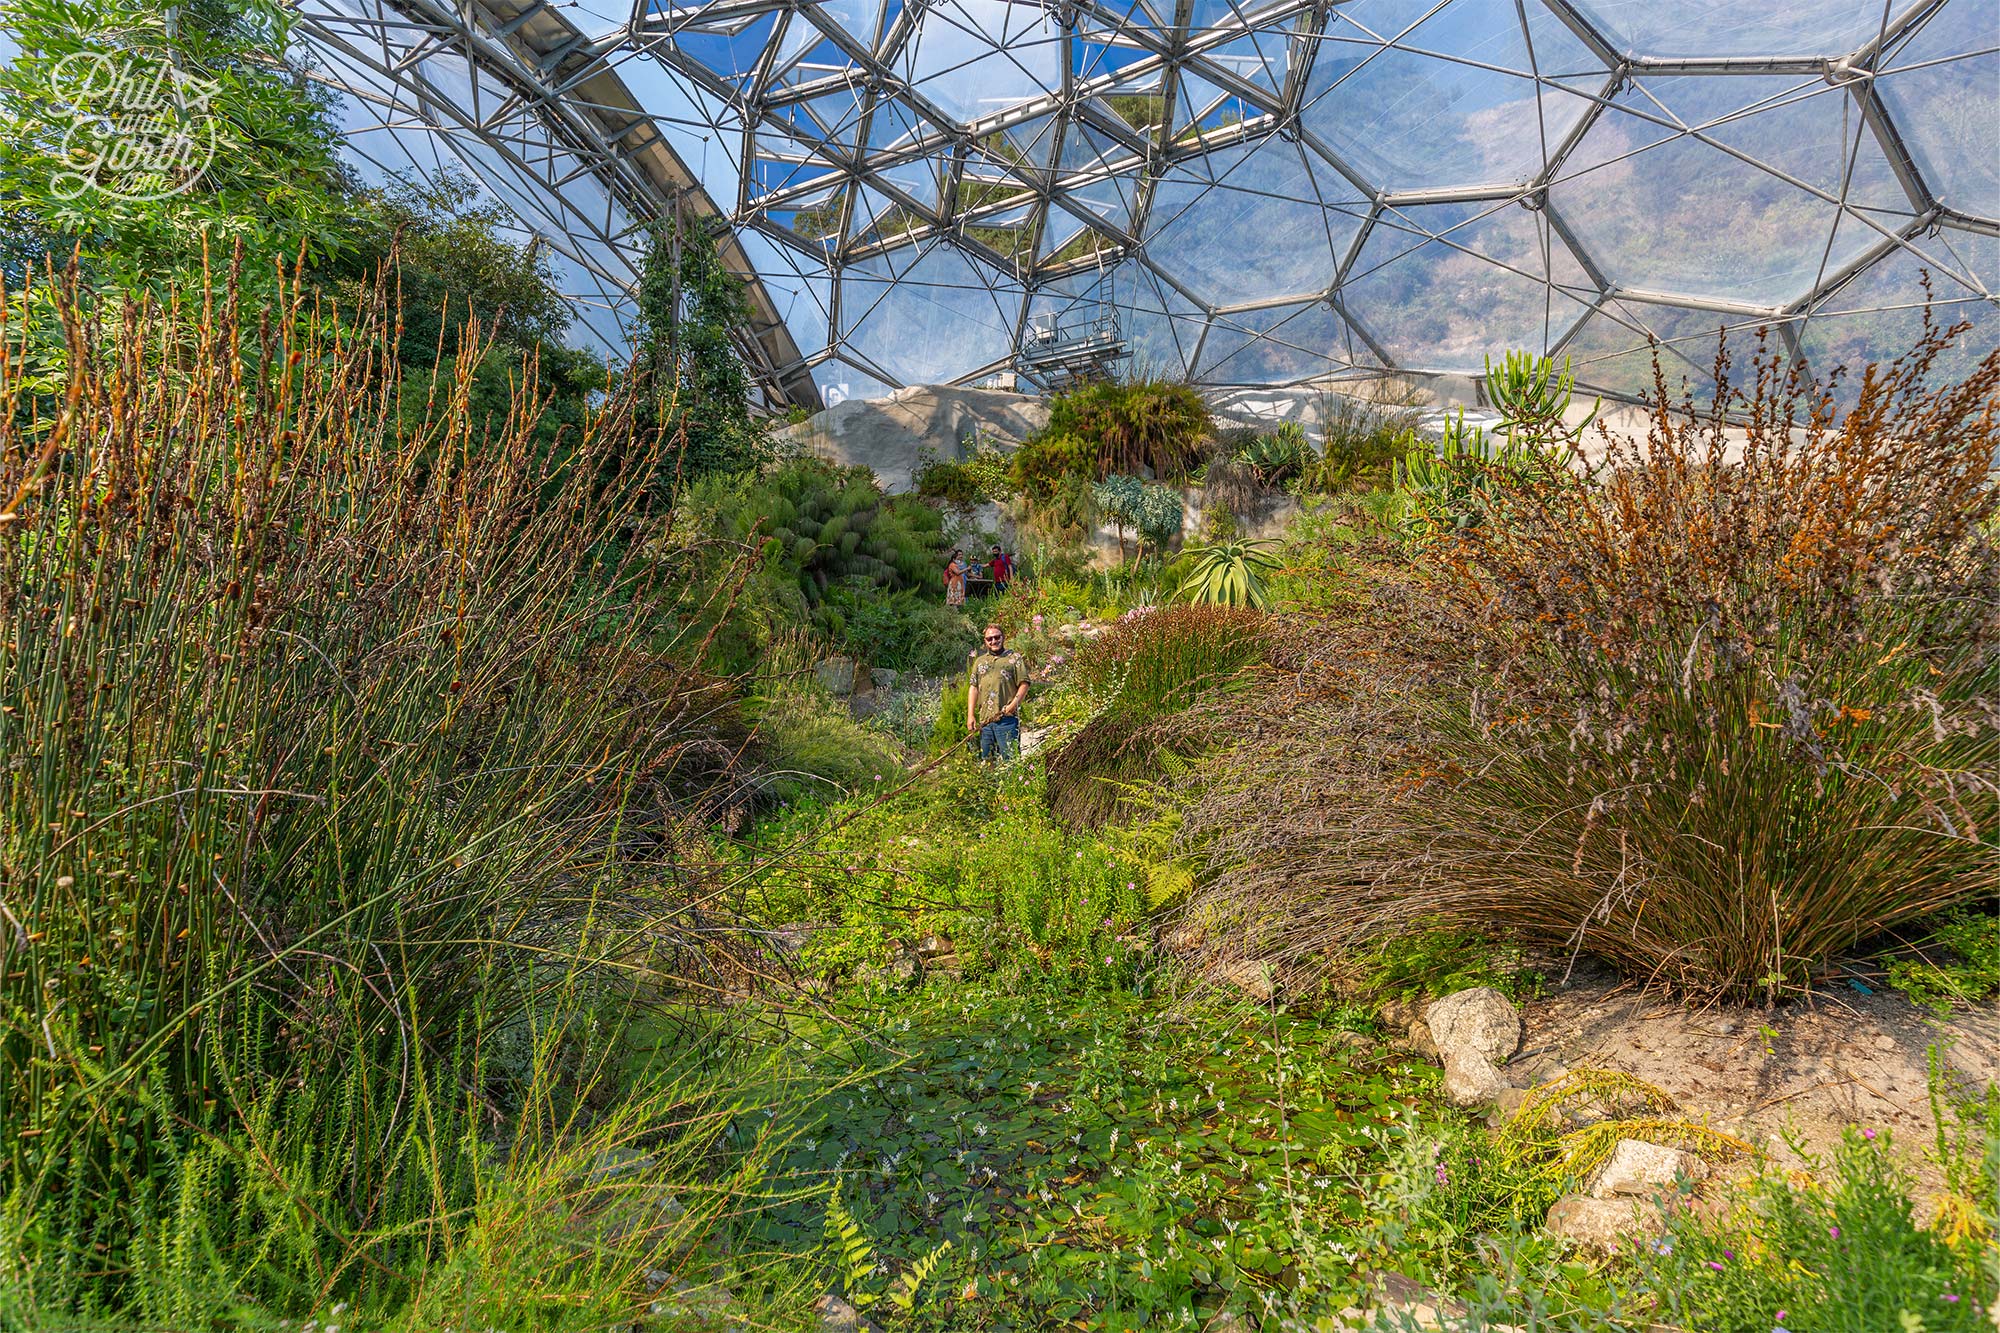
820,526
1844,1255
1153,429
1048,459
947,482
903,630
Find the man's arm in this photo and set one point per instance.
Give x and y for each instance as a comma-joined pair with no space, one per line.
1013,709
971,702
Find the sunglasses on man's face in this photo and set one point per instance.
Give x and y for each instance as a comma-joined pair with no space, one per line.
993,638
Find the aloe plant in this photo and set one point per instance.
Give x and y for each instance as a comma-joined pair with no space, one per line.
1229,573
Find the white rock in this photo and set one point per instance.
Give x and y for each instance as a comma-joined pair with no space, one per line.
1637,1169
837,1316
1479,1022
1604,1226
1253,979
1471,1081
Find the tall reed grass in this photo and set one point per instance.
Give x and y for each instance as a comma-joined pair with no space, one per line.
317,729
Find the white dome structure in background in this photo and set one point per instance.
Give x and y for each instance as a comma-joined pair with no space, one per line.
1267,191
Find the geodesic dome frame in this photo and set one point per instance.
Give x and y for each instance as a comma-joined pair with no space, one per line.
1267,191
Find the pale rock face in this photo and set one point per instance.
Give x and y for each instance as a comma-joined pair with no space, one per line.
1480,1021
1604,1226
1471,1081
1637,1169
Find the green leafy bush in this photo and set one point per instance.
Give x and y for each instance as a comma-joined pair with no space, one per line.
811,743
949,483
1098,430
1048,458
821,528
1973,936
903,630
1154,511
1843,1256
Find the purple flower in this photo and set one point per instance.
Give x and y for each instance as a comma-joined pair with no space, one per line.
1867,1133
1716,1266
1443,1177
1833,1232
1951,1296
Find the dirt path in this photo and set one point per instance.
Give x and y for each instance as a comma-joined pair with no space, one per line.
1813,1067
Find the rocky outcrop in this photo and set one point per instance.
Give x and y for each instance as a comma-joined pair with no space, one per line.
1604,1226
1474,1032
1640,1170
889,434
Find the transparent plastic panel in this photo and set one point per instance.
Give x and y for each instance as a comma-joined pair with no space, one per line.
1252,222
1942,88
1610,352
729,52
1880,314
938,319
1695,28
1276,345
801,297
856,18
976,58
1676,188
1443,286
840,382
1434,105
1262,58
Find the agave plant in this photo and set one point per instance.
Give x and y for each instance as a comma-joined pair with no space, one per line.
1229,573
1284,453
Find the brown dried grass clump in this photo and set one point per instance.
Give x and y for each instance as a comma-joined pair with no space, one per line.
1730,705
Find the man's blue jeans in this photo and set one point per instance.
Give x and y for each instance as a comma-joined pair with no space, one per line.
1000,739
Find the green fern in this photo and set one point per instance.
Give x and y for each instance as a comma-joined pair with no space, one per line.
904,1294
853,1252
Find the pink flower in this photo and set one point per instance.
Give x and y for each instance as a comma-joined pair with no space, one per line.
1107,960
1867,1133
1037,620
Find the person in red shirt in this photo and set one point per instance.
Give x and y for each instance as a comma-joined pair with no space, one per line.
1000,568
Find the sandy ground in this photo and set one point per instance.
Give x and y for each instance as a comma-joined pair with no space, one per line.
1809,1068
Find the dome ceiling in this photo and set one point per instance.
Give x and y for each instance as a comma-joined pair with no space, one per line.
1265,192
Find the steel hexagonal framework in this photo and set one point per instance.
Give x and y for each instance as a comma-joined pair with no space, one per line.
1267,191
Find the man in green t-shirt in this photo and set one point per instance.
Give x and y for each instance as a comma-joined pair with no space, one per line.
997,681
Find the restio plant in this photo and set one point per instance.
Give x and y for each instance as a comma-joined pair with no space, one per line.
1727,702
1229,573
338,754
1153,664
